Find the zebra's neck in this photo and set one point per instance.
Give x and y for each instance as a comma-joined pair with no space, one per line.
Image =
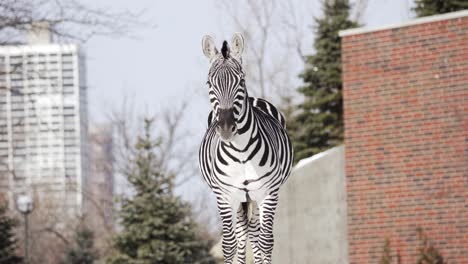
245,126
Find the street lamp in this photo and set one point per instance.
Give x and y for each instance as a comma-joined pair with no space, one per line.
25,205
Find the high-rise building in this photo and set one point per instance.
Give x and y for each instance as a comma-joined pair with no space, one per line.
43,123
99,192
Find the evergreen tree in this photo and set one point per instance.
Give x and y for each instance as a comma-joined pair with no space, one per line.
318,124
7,239
83,252
157,225
434,7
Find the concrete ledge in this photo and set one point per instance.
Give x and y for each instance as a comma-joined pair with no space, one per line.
417,21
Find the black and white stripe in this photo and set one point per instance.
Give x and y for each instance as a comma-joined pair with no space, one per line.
247,170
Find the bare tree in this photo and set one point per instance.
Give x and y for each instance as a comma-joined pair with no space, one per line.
123,121
177,154
274,32
205,213
256,24
98,192
50,223
360,9
54,220
67,19
292,31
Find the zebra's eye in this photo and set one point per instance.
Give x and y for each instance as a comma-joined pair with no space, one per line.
242,83
209,84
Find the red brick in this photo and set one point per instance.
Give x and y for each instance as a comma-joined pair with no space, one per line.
406,135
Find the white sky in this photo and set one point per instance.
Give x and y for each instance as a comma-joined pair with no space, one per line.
166,62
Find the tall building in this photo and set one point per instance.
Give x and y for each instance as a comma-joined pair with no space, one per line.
43,123
99,191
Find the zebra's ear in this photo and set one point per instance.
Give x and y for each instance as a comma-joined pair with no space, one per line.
209,48
237,45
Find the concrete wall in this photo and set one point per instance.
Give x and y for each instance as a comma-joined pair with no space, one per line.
310,224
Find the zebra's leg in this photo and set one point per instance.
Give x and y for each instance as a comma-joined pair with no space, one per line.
241,231
229,243
254,232
267,215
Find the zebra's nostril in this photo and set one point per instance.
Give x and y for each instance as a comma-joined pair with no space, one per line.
233,128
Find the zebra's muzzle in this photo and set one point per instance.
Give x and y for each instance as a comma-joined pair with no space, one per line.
226,124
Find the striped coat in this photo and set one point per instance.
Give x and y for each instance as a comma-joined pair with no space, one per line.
245,155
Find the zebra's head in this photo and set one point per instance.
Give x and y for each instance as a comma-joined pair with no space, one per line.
227,91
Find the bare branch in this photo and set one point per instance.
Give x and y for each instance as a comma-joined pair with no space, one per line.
274,33
361,6
68,19
56,233
292,22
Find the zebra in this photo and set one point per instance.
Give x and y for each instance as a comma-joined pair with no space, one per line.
245,155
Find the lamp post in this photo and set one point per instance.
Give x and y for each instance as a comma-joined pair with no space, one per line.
25,205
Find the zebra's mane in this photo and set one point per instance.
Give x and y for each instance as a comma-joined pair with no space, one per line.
225,50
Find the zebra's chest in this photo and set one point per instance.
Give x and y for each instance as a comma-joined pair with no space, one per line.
238,174
244,179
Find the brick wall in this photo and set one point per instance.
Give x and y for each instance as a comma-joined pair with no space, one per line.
406,136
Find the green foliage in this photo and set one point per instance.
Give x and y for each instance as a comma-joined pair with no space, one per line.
387,254
318,124
83,251
428,254
7,238
157,225
434,7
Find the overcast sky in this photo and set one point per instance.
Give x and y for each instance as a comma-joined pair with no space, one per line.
166,63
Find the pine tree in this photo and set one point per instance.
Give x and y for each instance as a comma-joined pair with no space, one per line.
7,239
319,121
434,7
83,252
157,225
